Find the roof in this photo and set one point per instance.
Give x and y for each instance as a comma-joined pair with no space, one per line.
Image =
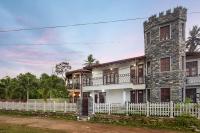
192,55
77,71
115,62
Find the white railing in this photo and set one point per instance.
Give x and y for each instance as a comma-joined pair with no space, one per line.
193,80
150,109
39,106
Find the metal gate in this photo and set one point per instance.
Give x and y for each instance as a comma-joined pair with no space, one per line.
85,106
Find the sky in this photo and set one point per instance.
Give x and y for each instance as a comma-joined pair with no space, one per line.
37,51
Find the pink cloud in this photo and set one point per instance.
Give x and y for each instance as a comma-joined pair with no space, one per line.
47,36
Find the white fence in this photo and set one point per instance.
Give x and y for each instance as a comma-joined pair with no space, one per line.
150,109
39,106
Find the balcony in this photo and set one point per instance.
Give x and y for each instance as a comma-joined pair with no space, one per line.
195,80
73,86
115,79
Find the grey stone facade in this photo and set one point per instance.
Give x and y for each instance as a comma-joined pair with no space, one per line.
173,48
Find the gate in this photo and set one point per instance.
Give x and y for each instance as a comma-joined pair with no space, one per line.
85,106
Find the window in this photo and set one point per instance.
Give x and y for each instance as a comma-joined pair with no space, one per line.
148,38
165,64
110,76
148,67
183,31
133,74
141,74
183,62
148,95
87,80
191,94
165,94
165,33
96,98
192,69
102,97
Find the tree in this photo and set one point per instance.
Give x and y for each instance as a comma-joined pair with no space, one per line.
27,84
62,68
90,60
6,88
193,41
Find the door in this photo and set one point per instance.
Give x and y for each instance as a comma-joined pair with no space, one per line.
85,106
140,96
191,94
133,96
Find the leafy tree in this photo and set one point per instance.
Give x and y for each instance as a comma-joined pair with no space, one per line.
193,41
27,84
6,88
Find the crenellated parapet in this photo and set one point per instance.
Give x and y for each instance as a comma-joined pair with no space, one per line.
163,17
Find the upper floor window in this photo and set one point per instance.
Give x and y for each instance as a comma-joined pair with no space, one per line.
133,74
165,33
165,64
183,62
148,67
141,74
148,38
183,31
110,76
192,68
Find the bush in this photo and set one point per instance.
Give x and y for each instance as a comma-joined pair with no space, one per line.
178,123
66,116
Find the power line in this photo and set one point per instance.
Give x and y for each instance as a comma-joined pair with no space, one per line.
72,25
78,24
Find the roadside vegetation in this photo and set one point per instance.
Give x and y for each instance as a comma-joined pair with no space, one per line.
183,123
11,128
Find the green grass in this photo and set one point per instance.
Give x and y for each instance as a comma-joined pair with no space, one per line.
11,128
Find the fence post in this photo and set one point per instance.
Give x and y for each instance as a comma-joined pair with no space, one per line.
147,108
6,106
127,112
65,107
198,105
93,106
44,109
54,109
109,108
35,106
27,105
171,109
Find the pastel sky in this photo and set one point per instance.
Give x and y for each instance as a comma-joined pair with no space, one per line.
38,51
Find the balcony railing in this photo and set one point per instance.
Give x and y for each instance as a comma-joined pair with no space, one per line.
116,79
73,86
195,80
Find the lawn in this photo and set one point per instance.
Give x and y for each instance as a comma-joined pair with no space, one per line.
11,128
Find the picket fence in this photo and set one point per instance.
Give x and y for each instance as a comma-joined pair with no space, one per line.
39,106
150,109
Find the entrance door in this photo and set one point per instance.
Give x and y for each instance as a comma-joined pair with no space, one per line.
133,96
191,94
137,96
140,96
85,106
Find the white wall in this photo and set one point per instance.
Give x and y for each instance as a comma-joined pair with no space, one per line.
114,96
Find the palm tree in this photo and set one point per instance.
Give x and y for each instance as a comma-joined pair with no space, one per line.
90,60
193,41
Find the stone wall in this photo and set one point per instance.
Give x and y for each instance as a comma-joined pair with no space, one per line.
173,48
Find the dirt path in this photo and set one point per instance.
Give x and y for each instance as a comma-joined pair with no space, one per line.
75,127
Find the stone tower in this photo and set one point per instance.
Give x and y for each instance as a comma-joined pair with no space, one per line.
165,55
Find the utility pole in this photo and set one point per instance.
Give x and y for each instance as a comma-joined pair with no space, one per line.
27,92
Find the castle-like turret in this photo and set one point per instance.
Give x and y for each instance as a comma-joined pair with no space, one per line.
164,37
